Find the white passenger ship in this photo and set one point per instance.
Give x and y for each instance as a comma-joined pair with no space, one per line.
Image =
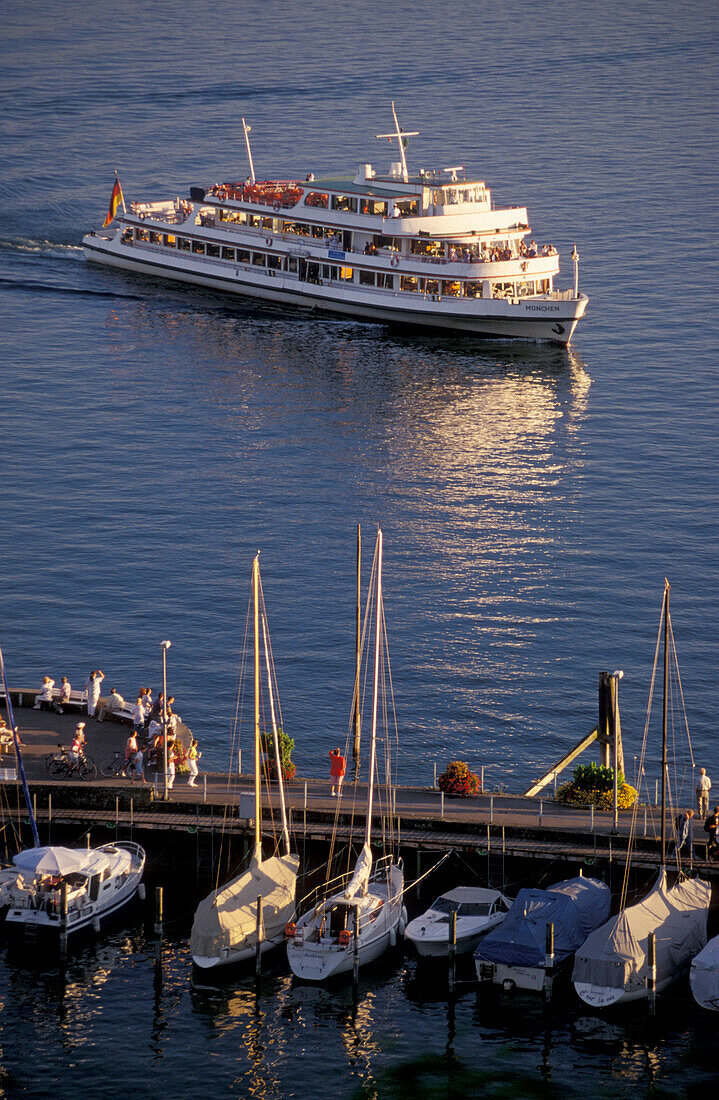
430,250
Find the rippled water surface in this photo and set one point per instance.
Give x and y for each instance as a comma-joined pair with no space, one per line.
533,500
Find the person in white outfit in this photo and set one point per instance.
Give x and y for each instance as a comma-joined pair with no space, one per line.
92,687
45,693
703,787
193,756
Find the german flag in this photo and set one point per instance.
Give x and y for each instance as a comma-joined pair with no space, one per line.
115,200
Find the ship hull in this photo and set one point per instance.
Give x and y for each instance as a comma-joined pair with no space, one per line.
534,320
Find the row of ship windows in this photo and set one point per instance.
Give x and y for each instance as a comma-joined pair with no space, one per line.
313,272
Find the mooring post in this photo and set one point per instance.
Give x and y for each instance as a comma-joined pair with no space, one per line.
591,818
452,949
63,918
435,776
491,809
541,807
651,970
132,811
610,847
49,809
355,960
117,810
34,805
158,910
258,944
645,821
481,778
441,803
88,840
549,961
503,840
204,788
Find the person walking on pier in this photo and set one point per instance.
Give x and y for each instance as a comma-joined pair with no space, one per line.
683,826
710,828
45,693
193,755
92,687
139,769
704,785
337,770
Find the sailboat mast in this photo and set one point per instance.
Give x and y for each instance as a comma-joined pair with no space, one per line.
256,600
665,765
375,690
276,740
18,754
357,720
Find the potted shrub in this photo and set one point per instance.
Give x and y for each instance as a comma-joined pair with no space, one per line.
287,744
458,781
593,785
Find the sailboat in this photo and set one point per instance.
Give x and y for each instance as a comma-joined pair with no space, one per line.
228,922
356,922
646,946
704,976
57,891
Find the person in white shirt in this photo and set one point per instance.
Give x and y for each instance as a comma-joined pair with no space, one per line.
92,687
65,689
45,694
138,715
115,702
703,787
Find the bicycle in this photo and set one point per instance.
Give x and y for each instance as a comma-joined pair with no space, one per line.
60,766
117,766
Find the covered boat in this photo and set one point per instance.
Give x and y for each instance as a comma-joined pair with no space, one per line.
704,976
479,910
518,954
612,966
230,925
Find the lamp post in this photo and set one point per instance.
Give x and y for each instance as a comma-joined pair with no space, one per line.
616,676
164,646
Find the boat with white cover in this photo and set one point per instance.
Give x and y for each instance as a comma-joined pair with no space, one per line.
229,926
479,910
64,890
356,918
517,954
647,946
612,966
430,250
704,976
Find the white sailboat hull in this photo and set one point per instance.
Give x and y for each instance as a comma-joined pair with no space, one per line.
316,955
704,976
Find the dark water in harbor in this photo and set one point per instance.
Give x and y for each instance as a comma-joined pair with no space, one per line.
532,500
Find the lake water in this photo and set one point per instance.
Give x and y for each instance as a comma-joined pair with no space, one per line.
532,500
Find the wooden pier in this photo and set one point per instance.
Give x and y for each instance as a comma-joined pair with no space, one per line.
489,824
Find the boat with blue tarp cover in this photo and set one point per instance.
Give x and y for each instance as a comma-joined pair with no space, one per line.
521,954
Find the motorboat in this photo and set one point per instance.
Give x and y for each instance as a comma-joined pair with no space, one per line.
538,937
64,890
355,918
230,926
479,910
429,249
704,976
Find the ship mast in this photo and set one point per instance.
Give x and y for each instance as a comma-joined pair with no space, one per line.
400,136
246,129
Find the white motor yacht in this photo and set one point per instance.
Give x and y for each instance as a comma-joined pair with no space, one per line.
429,249
478,910
64,890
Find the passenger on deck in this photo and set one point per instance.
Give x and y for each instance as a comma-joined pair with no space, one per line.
114,703
65,689
92,686
45,694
